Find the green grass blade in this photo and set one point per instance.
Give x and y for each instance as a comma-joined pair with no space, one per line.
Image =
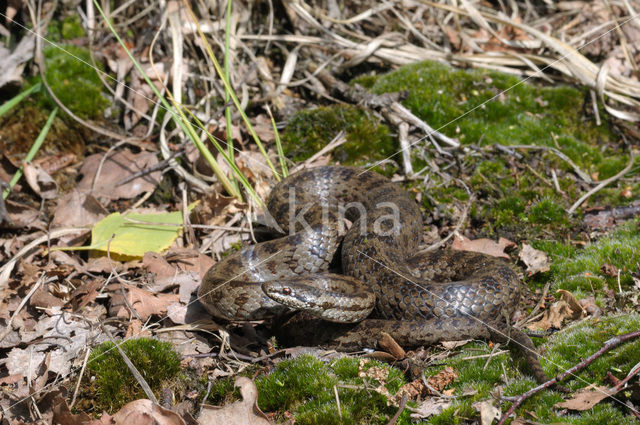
32,152
9,104
276,135
243,180
228,87
179,117
227,73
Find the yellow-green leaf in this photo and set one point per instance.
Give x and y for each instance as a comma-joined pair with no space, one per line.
131,235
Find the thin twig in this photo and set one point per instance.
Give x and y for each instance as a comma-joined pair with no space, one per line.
494,352
145,387
84,365
335,392
584,176
603,183
403,404
7,268
338,140
24,301
408,116
405,147
608,345
484,356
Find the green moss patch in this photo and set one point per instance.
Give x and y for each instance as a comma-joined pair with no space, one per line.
304,387
68,28
579,270
73,80
309,131
516,197
584,339
486,107
115,385
569,347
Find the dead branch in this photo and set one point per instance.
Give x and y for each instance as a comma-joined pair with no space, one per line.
608,345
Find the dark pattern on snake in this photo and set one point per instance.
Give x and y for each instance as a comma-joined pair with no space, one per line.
419,299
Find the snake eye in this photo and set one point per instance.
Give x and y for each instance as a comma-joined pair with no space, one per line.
286,290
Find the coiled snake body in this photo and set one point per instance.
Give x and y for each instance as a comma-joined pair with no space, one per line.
419,299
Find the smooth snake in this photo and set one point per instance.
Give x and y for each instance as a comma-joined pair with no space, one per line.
418,298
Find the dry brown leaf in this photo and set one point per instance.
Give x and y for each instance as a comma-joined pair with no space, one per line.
11,379
142,301
85,294
40,181
568,307
431,406
77,209
535,260
586,398
24,216
553,317
188,259
43,298
62,336
609,270
145,412
188,343
450,345
104,265
62,414
452,35
483,246
574,304
167,275
115,168
263,128
488,412
12,62
54,163
157,264
244,412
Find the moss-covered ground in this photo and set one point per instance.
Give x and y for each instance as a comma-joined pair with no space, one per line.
112,383
368,140
579,270
516,195
70,71
72,78
305,385
522,195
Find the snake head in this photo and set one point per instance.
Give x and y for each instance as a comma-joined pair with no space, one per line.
314,297
294,295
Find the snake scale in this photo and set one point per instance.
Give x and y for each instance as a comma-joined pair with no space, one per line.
385,284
